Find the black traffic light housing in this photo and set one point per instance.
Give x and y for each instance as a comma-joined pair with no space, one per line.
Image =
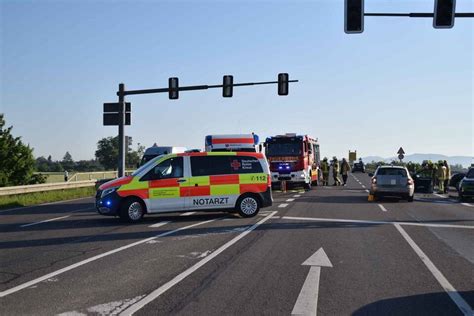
228,86
444,11
353,16
283,84
173,86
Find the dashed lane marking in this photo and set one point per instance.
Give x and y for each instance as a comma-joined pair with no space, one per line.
283,205
159,224
467,204
296,195
382,208
56,218
188,213
290,200
366,190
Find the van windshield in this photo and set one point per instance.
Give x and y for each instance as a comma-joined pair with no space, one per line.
151,161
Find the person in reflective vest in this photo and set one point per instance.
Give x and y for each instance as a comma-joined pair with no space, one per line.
441,172
325,170
345,169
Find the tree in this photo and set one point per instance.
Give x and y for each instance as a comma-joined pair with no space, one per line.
67,162
17,162
107,154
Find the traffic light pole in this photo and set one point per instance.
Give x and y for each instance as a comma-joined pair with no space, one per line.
121,130
121,93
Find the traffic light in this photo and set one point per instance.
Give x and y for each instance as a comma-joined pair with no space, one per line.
173,86
227,86
283,84
444,14
353,16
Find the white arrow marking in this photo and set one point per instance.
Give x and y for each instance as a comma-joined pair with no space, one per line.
307,302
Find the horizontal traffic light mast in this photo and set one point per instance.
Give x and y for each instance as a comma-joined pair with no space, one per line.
119,114
444,14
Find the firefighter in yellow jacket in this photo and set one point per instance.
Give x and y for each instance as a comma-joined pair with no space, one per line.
442,175
325,170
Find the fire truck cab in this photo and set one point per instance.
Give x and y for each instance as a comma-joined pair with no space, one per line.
293,158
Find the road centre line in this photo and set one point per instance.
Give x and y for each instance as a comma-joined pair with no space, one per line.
296,195
159,224
448,287
283,205
290,200
188,213
165,287
56,218
45,221
363,186
44,204
382,207
94,258
370,222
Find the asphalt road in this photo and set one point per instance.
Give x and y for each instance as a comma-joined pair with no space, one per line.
370,258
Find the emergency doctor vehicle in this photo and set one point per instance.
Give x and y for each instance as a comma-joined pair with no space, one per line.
238,181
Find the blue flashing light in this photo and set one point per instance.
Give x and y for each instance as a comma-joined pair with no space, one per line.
108,203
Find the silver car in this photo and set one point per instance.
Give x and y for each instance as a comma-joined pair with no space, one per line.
392,181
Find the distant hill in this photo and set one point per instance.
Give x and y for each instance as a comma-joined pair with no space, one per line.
465,161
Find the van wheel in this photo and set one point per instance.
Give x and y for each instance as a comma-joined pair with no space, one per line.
247,206
132,210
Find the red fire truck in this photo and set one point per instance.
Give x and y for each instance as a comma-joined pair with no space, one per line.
293,158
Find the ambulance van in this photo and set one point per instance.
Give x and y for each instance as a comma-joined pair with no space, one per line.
210,181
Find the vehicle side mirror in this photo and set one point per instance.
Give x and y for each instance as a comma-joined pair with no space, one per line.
370,174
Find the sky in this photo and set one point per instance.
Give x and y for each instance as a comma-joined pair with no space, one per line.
400,83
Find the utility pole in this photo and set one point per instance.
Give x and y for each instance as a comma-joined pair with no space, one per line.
121,130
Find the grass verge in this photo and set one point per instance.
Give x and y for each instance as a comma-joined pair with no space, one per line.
34,198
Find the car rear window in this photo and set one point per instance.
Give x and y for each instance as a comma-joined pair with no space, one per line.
470,174
214,165
392,172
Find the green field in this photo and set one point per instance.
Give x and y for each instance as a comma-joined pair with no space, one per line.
44,197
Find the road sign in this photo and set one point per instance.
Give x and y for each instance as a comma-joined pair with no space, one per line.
114,107
401,156
112,119
401,151
352,156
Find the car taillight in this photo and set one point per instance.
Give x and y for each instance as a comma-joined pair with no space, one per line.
374,180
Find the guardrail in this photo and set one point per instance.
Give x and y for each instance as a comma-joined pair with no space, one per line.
45,187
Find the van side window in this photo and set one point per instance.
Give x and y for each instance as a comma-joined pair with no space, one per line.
215,165
170,168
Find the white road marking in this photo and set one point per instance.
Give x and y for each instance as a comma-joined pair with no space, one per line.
356,221
94,258
367,191
165,287
188,213
283,205
382,207
441,196
296,195
307,302
363,186
276,217
290,200
467,204
159,224
56,218
45,221
448,287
